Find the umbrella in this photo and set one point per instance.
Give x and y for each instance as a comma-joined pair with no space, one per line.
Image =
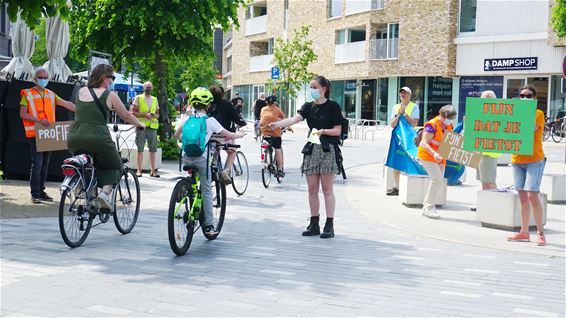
57,43
23,43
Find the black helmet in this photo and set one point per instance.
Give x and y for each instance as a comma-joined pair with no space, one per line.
271,99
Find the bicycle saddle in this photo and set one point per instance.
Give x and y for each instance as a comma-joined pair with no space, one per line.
79,160
188,167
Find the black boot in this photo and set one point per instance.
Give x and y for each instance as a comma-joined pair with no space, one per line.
313,228
328,228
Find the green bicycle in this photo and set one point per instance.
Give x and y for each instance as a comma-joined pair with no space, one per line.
186,212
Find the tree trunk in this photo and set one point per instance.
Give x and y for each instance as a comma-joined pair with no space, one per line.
164,121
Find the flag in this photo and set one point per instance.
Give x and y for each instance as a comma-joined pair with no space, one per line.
402,154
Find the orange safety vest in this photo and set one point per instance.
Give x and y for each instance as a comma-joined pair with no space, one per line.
39,107
436,123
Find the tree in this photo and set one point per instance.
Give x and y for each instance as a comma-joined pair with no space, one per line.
40,52
163,32
559,17
199,71
31,11
293,57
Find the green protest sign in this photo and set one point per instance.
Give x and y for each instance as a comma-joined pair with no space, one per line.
499,125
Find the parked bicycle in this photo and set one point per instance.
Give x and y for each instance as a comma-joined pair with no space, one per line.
186,203
558,129
269,163
78,206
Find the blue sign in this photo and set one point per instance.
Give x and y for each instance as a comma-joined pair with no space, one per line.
131,92
275,73
510,64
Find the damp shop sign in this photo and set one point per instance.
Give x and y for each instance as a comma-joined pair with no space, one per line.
52,137
499,125
510,64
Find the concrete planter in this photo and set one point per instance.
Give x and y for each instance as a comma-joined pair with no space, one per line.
555,186
502,210
412,190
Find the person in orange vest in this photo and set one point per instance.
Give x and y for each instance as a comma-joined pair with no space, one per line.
146,109
38,106
431,160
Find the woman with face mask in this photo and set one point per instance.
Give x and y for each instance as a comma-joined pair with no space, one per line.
89,132
433,163
527,174
321,160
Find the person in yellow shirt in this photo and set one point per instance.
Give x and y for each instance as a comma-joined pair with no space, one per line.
487,170
527,173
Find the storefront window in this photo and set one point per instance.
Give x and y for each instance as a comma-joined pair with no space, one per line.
350,99
382,99
337,93
473,86
368,99
439,94
557,107
244,91
468,15
541,85
417,86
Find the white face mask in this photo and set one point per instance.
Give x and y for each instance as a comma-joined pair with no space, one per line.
449,121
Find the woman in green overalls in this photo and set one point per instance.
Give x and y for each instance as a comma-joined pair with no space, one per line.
89,133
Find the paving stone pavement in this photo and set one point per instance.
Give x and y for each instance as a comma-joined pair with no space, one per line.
261,266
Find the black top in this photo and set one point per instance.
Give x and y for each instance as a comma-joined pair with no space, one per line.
225,114
323,116
259,104
235,100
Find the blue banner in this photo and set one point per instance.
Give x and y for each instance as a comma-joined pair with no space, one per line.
402,154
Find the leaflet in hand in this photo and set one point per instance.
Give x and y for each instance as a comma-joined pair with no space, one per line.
315,136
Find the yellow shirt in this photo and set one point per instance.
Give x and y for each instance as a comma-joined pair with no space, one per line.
538,153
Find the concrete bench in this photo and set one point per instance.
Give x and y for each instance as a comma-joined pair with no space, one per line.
555,186
502,210
389,177
131,154
412,190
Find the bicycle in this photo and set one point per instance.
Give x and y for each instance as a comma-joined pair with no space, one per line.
548,124
78,207
186,205
558,131
269,165
240,173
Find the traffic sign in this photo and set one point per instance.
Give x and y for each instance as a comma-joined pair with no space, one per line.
275,73
131,92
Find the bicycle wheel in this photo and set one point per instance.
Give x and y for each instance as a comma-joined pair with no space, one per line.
556,134
240,173
126,202
180,227
277,176
265,176
218,191
547,132
74,220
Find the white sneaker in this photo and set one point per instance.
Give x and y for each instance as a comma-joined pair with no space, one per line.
431,214
104,200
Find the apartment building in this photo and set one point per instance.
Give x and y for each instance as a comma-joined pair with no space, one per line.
503,45
367,48
5,42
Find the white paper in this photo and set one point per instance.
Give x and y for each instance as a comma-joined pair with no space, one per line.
314,136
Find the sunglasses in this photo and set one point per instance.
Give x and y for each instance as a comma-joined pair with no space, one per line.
526,95
112,77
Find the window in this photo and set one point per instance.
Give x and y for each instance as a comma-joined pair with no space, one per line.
350,35
270,46
286,15
468,15
229,64
385,44
334,8
377,4
255,11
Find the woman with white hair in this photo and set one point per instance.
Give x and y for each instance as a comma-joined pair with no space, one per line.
431,160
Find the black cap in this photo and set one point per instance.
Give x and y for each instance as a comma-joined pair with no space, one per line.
271,99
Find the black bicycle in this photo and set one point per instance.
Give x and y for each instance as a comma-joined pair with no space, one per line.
186,211
269,167
78,206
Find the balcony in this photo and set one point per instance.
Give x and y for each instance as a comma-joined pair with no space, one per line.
260,63
357,6
378,49
256,25
350,52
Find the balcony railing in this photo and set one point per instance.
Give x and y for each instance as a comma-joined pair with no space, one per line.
256,25
260,63
378,49
350,52
357,6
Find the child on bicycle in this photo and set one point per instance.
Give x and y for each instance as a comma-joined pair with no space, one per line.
269,114
200,99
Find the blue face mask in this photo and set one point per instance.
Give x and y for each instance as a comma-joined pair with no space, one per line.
110,87
42,83
315,93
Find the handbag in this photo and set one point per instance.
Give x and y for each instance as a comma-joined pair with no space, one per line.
307,149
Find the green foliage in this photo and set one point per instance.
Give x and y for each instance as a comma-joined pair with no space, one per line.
293,57
170,149
40,52
31,11
199,71
559,17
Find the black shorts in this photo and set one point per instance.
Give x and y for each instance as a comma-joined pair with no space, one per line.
275,142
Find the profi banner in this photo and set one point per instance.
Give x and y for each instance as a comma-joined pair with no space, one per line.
52,137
